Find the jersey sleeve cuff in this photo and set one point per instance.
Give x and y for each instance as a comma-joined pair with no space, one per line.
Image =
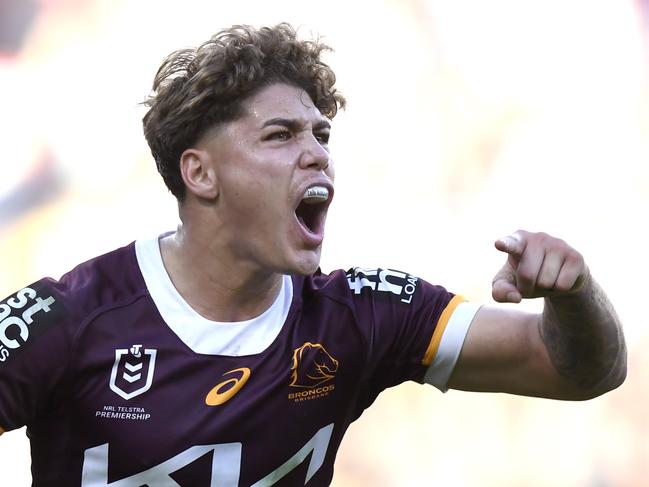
442,365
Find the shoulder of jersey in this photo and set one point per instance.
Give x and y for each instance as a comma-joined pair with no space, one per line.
104,280
358,282
101,283
108,279
333,284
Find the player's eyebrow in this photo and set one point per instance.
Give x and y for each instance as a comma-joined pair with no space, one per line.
295,124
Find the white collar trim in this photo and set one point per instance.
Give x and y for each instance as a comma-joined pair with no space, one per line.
198,333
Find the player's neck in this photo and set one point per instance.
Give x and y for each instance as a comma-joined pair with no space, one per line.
214,286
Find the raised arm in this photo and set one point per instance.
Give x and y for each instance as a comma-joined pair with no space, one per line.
574,350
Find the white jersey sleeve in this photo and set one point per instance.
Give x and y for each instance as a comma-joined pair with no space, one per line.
450,345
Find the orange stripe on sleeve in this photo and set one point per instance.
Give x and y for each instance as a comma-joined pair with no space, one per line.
1,430
433,346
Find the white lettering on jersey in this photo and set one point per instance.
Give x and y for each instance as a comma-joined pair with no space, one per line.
318,445
386,280
358,279
385,285
226,465
226,459
18,324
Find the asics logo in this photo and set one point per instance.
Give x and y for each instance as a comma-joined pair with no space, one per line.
218,396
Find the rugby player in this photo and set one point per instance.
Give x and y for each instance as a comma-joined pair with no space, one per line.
219,353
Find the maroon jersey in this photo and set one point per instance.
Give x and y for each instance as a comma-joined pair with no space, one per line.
122,384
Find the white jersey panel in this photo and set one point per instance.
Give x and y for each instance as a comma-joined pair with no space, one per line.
450,346
198,333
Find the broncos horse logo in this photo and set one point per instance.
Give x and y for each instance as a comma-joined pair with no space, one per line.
312,366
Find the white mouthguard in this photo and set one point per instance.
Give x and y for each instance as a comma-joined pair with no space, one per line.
315,194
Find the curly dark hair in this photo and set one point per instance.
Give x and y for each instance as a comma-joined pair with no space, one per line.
197,89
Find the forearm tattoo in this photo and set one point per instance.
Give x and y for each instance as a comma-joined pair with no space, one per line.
584,338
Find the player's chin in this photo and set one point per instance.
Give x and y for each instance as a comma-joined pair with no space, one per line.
306,262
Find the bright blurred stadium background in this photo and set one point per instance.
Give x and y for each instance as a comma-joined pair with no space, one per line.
466,121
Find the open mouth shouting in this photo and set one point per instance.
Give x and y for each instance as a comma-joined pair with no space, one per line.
311,212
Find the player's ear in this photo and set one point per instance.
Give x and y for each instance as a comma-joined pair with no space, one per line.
199,173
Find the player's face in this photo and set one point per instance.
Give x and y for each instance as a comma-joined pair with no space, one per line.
275,181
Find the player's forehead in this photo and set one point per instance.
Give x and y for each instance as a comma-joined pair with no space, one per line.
281,101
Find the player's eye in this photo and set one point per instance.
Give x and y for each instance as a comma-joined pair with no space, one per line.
322,137
279,135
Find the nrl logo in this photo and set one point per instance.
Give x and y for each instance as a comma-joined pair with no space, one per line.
132,372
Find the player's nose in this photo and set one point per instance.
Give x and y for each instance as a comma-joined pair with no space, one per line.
314,155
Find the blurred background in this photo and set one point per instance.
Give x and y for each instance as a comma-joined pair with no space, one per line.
466,121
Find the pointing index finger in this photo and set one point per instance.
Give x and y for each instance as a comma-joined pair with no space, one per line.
513,244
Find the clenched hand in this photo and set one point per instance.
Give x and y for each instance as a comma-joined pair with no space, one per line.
538,265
